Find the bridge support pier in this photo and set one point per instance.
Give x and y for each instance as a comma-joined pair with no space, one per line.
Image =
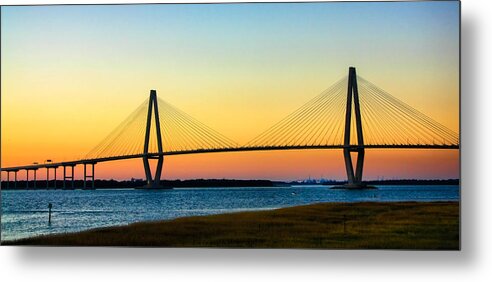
27,179
354,177
153,182
91,176
48,176
34,179
70,177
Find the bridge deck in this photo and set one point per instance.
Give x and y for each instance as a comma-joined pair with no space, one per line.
221,150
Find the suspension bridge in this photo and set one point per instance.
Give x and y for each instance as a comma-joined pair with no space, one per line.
352,115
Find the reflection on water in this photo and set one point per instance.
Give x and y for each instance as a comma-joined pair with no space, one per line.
25,213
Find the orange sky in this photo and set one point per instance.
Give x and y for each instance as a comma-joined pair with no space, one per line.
296,165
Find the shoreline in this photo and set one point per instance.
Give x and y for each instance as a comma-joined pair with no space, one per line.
209,183
361,225
207,187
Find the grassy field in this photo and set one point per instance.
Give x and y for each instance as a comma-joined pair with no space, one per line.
406,225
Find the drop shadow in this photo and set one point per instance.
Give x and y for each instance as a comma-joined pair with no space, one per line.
469,133
362,259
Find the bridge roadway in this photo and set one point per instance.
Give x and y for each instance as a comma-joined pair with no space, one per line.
221,150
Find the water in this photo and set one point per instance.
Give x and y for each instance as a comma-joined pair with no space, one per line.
25,213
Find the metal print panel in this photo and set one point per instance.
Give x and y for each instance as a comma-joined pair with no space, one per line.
326,125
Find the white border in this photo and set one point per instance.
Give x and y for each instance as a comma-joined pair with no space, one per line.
473,263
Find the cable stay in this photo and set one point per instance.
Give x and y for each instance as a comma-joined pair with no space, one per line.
179,131
386,120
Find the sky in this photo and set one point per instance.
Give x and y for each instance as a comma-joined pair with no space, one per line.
71,74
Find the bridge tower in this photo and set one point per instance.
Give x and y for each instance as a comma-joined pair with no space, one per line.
354,176
153,182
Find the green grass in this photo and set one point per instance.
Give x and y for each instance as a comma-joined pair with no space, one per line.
403,225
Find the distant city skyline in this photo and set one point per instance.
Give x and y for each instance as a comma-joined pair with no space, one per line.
70,74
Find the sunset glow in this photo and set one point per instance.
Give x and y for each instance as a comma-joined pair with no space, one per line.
71,74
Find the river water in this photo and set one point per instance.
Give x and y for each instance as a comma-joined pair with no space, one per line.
25,213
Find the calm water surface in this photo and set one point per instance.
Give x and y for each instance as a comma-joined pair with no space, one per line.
25,213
